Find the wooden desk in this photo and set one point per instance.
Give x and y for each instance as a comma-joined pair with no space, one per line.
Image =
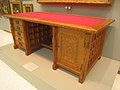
77,41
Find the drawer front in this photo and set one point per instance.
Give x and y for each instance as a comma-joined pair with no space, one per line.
18,22
21,45
19,34
19,39
18,28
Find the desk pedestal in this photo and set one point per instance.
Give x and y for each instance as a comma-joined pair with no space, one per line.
77,51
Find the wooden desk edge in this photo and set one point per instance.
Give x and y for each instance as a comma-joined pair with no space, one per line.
89,29
103,25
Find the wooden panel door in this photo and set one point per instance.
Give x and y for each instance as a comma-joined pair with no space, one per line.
70,49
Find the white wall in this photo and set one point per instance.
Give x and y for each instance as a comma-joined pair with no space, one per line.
112,43
4,23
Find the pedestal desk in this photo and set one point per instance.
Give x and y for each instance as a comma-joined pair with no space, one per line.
76,41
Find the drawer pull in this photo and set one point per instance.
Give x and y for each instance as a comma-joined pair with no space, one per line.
20,44
19,39
17,22
17,28
19,34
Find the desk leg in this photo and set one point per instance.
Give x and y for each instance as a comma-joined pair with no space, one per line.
54,66
99,57
81,79
82,75
12,31
54,43
27,52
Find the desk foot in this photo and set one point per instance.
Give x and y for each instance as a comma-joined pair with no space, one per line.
15,46
81,79
27,53
99,57
54,66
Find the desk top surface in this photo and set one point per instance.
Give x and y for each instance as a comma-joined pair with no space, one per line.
72,20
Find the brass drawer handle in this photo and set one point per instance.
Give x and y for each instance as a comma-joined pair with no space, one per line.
20,44
17,22
19,39
19,34
17,28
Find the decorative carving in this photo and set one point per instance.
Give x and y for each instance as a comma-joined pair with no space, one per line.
70,50
69,47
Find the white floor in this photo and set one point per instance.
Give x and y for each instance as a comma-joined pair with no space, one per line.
116,85
10,80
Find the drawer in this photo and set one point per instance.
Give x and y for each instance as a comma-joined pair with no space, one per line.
20,39
17,22
19,34
21,45
18,28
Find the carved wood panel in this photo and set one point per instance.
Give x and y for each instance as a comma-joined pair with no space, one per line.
70,47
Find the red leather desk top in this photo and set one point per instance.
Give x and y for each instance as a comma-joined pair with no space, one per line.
65,18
